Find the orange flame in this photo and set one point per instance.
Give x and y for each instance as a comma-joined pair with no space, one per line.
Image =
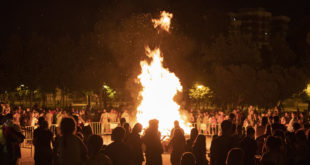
159,88
164,21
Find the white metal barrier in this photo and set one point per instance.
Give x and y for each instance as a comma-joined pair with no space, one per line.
208,129
102,129
28,133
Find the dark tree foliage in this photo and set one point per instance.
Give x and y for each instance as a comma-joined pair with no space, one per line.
236,71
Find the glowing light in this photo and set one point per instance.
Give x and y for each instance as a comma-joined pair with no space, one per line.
199,86
159,89
307,90
164,21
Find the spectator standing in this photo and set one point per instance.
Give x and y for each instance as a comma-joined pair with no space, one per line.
191,140
260,130
134,143
49,118
13,138
104,120
42,139
95,152
177,143
152,141
249,146
176,126
273,153
188,159
69,148
235,157
118,151
222,144
200,151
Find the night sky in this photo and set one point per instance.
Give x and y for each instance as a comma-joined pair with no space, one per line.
75,17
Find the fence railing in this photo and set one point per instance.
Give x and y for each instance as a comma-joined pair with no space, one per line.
28,133
208,129
102,129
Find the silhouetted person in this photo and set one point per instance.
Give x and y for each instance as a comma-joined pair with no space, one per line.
127,130
290,148
277,125
87,132
95,152
235,157
249,146
3,144
122,122
134,143
222,144
191,140
177,143
273,154
42,140
302,152
260,130
200,150
188,159
69,148
13,138
296,126
118,151
153,145
260,140
176,126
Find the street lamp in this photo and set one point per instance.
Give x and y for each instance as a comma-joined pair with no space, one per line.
199,86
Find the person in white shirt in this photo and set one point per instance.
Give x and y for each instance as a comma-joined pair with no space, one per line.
49,118
104,120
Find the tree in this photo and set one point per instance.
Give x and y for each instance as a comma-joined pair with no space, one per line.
229,69
200,94
239,74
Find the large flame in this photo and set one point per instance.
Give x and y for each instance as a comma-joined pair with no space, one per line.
159,89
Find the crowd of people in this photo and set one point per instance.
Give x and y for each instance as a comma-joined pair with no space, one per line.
29,117
266,138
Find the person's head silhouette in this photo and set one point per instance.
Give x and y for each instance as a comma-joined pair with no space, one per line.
194,133
94,144
235,157
176,124
118,134
226,127
273,144
137,128
200,142
188,159
67,126
153,124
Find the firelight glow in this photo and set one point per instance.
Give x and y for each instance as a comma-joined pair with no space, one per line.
164,21
159,89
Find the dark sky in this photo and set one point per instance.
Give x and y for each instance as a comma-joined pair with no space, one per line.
75,17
